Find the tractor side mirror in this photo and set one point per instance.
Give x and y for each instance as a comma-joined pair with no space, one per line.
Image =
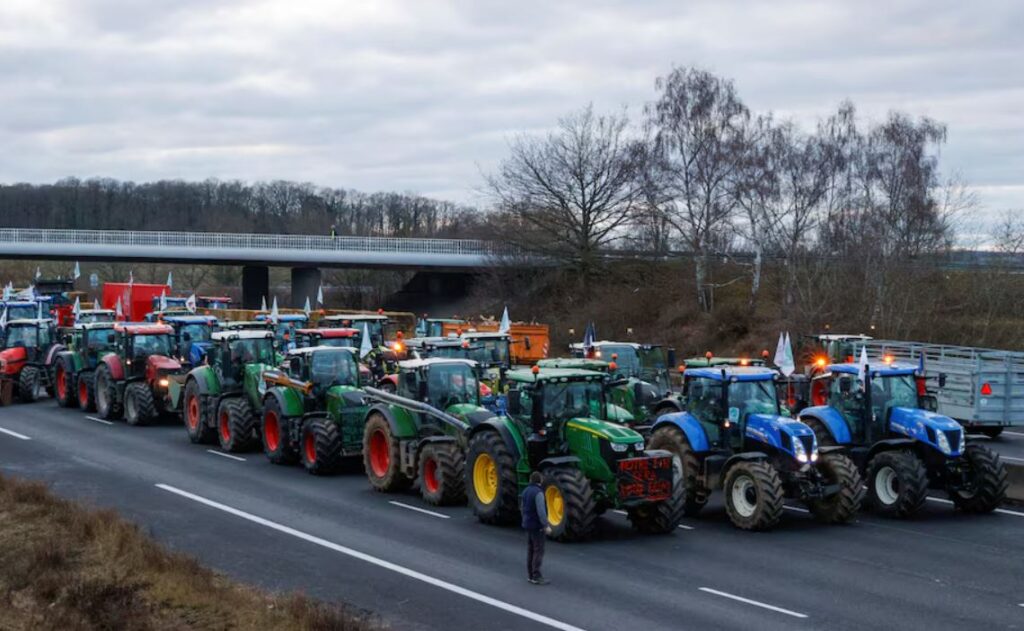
514,405
638,393
942,380
526,342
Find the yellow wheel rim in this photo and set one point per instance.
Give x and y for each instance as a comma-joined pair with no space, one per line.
555,504
485,478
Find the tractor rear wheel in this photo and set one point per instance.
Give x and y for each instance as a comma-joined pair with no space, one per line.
28,384
753,495
86,390
673,440
491,481
381,456
442,474
843,506
64,384
321,446
664,516
570,504
139,406
988,482
199,430
236,425
277,444
897,483
107,405
821,432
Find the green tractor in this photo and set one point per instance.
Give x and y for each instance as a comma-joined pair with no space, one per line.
75,363
222,399
421,430
314,409
557,424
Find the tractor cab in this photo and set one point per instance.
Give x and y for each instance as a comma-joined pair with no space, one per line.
89,316
650,363
91,340
437,327
833,348
336,338
32,335
175,304
322,367
441,383
232,350
725,400
374,323
246,325
193,335
213,302
490,350
137,343
286,327
26,309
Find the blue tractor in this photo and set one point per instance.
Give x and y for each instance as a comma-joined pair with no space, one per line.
885,419
193,335
732,435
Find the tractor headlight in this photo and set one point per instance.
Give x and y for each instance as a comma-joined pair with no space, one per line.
163,383
620,446
798,450
942,442
639,446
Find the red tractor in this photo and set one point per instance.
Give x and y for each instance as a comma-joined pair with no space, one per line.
133,379
26,359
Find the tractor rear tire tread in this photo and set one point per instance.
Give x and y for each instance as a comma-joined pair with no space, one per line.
106,390
285,453
203,433
991,481
394,479
326,444
821,432
842,507
144,411
241,423
87,380
673,440
28,384
70,397
449,473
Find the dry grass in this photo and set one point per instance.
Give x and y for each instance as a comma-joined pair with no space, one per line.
66,567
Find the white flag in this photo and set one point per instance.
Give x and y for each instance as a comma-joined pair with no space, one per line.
77,309
131,277
506,323
3,319
170,280
320,295
190,304
7,292
784,355
307,309
862,372
39,273
163,300
118,311
78,271
263,307
274,315
364,346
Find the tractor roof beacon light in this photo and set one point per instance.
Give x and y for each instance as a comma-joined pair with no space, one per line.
708,355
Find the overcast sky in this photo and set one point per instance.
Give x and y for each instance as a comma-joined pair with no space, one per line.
421,96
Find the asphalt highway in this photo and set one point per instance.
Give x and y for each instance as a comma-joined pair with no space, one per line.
1009,445
422,567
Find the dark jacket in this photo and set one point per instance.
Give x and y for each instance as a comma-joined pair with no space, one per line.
535,514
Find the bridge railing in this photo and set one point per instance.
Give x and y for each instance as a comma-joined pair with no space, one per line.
251,241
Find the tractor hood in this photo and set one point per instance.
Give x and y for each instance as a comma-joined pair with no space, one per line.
348,396
612,432
784,434
158,365
938,431
11,359
470,413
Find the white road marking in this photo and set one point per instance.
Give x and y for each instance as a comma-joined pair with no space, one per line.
998,510
420,510
387,565
741,599
1002,457
796,508
683,526
15,434
99,420
222,454
1013,433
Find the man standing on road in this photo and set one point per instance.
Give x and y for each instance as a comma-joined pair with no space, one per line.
535,523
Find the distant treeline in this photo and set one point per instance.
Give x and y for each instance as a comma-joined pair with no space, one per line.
229,206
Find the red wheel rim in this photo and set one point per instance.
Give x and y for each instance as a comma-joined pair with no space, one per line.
62,386
225,426
380,454
83,393
310,445
193,412
430,475
271,430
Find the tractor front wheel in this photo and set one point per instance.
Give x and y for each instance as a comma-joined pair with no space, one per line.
236,425
491,481
672,439
277,444
570,504
442,474
139,406
321,446
753,495
381,457
198,428
64,385
988,484
87,391
28,384
897,483
107,405
664,516
841,507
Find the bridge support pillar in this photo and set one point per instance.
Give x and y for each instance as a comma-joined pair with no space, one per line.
305,282
255,285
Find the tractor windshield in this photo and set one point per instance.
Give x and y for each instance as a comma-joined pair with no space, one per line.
95,316
704,400
197,332
654,367
98,340
252,351
26,336
22,312
146,345
624,356
492,352
338,342
450,384
892,391
330,368
753,397
574,399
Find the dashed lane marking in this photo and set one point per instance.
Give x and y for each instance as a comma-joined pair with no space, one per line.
419,510
788,612
224,455
99,420
387,565
15,434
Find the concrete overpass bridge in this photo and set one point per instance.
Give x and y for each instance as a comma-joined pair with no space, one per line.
305,254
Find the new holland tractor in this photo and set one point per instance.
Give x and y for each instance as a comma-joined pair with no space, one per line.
192,335
132,379
222,399
882,416
556,424
314,409
421,430
75,363
27,359
733,436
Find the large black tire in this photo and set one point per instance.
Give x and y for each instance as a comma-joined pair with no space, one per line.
236,425
277,443
442,474
107,404
662,517
671,439
64,384
821,432
753,495
381,456
28,384
991,432
321,446
491,481
86,391
989,482
139,406
200,430
843,506
897,483
568,487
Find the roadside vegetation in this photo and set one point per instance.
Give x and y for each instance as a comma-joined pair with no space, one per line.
63,566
